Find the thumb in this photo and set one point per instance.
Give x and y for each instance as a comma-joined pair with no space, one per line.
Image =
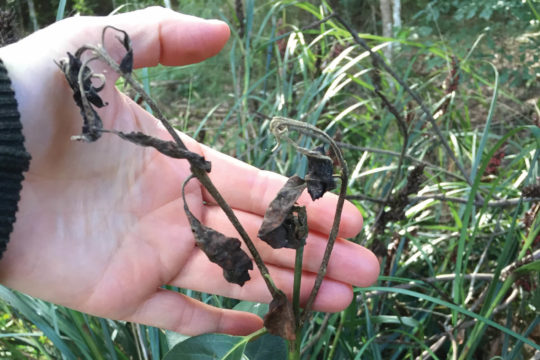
160,35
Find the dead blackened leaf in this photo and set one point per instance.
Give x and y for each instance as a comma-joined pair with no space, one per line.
71,67
126,64
284,223
280,318
169,148
220,249
80,76
320,176
291,233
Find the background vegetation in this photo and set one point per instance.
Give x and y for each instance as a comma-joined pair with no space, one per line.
458,241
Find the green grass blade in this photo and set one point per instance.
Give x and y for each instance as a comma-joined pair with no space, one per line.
20,303
107,339
519,344
487,126
61,10
455,308
457,286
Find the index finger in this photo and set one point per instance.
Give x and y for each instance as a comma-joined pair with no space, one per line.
158,36
163,36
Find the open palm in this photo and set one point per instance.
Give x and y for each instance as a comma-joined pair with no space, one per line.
101,226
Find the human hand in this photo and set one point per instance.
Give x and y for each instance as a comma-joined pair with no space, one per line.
101,226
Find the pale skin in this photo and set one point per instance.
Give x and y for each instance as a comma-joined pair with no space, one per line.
101,226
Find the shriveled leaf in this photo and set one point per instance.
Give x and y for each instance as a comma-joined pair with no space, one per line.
72,67
280,319
126,64
222,250
169,148
320,174
284,223
291,233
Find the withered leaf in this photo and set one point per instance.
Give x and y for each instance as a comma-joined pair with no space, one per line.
126,64
280,318
291,233
92,123
71,70
222,250
320,176
169,148
284,223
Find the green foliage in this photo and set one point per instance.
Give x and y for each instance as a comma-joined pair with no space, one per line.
477,9
445,262
69,334
82,7
218,346
510,27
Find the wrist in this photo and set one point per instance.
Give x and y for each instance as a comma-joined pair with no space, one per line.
14,159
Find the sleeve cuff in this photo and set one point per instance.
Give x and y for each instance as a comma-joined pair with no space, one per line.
14,159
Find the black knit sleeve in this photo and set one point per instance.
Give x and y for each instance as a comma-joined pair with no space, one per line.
14,159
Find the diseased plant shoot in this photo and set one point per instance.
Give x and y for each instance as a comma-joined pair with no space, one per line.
285,222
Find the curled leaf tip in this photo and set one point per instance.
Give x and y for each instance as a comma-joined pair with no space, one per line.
126,64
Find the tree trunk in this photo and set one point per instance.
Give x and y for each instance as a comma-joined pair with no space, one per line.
396,13
396,19
32,14
386,19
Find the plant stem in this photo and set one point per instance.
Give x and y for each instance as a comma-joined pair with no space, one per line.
279,127
293,349
379,62
329,245
297,283
203,177
405,133
200,174
316,337
337,336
